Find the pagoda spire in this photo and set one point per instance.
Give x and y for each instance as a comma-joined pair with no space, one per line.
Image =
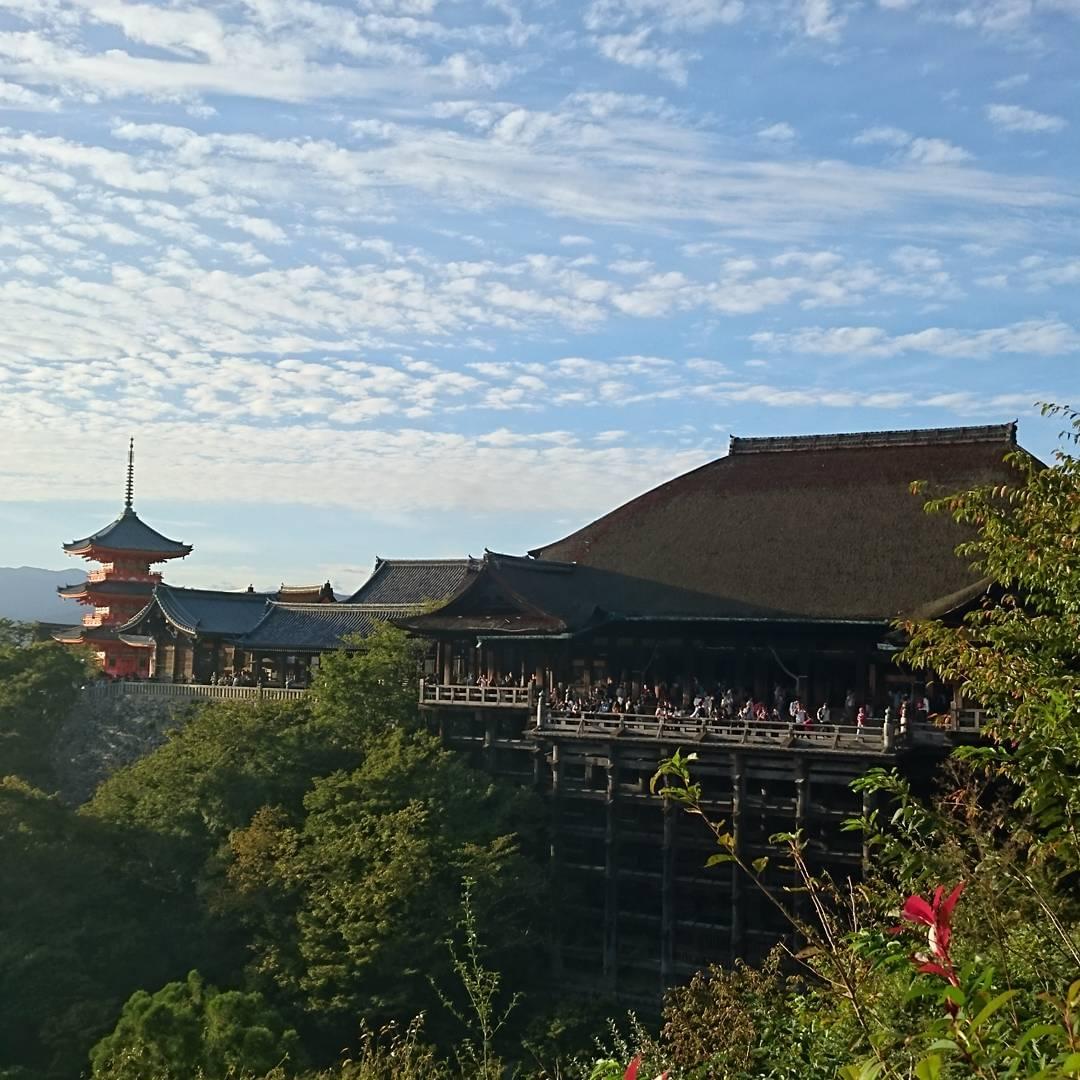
129,488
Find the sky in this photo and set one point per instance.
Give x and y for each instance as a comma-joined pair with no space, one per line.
419,277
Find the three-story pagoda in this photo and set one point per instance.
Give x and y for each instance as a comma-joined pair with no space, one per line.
126,550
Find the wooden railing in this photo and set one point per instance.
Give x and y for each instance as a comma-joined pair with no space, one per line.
221,692
876,736
516,697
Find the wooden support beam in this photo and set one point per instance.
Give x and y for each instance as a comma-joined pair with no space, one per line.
611,875
555,853
738,781
667,897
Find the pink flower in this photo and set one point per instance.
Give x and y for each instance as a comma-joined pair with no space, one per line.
936,915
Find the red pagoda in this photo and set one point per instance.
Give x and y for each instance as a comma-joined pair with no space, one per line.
126,549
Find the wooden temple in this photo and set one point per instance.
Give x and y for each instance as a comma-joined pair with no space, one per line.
776,572
276,638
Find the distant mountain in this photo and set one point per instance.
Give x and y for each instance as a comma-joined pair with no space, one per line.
28,594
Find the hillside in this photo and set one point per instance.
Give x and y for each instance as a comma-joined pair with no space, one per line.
28,593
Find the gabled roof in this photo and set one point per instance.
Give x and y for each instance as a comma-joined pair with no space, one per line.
312,627
818,527
203,611
307,594
412,583
129,533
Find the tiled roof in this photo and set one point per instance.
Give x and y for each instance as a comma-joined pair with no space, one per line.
315,627
412,583
77,635
129,533
819,527
204,611
306,594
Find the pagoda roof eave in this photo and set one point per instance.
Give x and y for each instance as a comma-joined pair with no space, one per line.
129,535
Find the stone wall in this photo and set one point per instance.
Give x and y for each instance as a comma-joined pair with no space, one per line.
104,733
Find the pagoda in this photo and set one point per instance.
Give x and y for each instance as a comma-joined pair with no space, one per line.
126,550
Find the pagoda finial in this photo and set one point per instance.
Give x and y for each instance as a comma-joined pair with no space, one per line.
129,490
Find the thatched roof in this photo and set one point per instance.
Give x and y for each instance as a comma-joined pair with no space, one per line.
818,527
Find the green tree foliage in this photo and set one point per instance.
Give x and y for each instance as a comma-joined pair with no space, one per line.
189,1029
38,685
370,688
1018,652
349,905
80,932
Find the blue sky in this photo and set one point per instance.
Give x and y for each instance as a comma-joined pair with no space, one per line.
415,277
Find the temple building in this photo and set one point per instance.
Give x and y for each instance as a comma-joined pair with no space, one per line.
126,550
276,638
786,561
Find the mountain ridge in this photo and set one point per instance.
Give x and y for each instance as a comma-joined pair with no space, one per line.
28,594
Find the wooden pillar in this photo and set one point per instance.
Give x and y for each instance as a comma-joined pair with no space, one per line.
555,855
667,897
611,876
862,685
737,884
489,725
805,688
802,806
279,668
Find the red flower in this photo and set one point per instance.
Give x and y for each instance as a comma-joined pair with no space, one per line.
632,1070
936,915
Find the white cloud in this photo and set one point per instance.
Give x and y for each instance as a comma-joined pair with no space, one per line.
918,150
670,15
14,96
1025,121
780,132
821,20
1039,337
632,49
936,152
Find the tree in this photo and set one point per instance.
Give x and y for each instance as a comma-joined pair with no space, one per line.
80,932
1017,653
189,1029
349,908
39,682
369,688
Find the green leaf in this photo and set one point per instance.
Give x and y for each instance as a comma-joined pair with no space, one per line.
944,1044
992,1007
929,1068
716,860
760,864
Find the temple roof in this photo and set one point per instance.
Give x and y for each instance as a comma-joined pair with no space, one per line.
815,527
107,587
84,635
307,594
413,583
129,533
313,627
204,611
515,595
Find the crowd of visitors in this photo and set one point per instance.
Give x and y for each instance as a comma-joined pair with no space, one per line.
698,700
